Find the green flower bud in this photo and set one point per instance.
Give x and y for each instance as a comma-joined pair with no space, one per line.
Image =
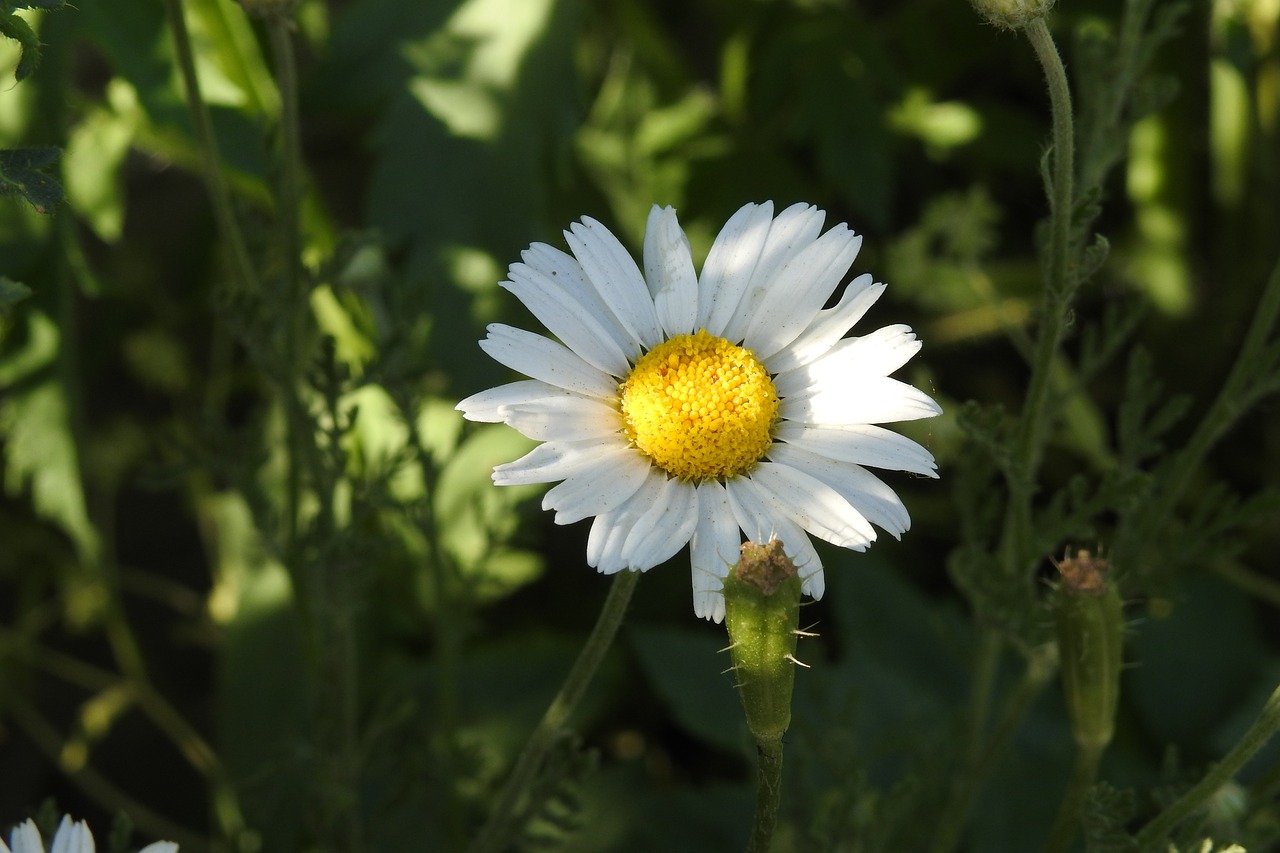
1012,14
762,614
1090,625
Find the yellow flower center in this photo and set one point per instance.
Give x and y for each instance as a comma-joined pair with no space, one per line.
700,407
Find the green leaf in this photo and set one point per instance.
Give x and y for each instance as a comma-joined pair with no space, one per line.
40,453
19,174
46,5
11,293
19,30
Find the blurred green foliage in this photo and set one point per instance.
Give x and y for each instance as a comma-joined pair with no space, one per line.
257,590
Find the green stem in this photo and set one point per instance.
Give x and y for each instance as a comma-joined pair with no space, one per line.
1224,411
1067,824
1257,585
985,751
241,267
505,820
448,624
1153,835
768,794
289,203
100,789
1055,302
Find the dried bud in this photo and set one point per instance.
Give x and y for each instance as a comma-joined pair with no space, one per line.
1012,14
762,614
1090,625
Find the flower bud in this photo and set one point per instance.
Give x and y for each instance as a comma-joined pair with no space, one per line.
1012,14
762,613
1090,625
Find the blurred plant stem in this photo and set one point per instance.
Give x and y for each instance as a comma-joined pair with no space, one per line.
507,816
448,621
219,193
986,750
1244,386
334,589
100,789
1028,446
1153,835
288,202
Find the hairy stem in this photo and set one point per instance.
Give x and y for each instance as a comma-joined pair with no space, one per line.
1067,824
505,820
1152,836
768,794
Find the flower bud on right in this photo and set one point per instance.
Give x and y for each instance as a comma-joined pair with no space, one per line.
762,613
1012,14
1090,624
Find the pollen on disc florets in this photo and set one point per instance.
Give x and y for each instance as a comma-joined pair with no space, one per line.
700,407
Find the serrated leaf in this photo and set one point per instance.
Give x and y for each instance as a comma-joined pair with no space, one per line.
1105,814
19,174
20,31
1147,412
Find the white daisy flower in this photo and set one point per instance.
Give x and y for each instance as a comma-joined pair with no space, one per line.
71,837
681,409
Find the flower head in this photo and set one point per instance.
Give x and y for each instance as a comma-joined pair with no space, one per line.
683,409
71,837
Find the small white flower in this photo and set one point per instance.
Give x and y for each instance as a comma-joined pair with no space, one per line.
71,837
679,409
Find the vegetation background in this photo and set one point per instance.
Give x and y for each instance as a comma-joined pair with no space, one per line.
256,590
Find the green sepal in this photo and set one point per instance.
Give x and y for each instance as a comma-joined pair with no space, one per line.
762,620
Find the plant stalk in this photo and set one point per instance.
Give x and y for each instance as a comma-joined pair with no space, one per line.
505,819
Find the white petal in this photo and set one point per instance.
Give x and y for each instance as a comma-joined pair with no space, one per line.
797,292
714,549
557,292
72,837
730,264
567,418
664,529
829,326
617,278
26,838
668,270
862,400
488,405
816,506
544,359
160,847
598,488
556,460
874,355
861,444
864,491
609,531
762,522
790,235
